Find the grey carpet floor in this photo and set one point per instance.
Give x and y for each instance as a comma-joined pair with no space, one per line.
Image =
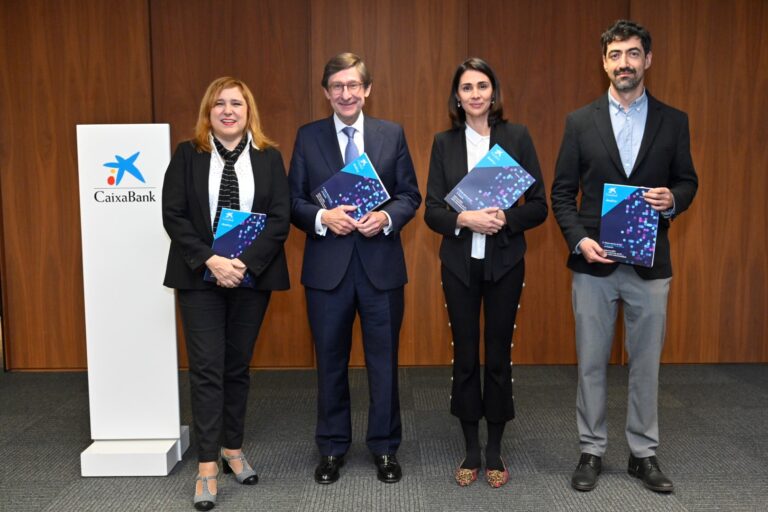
713,419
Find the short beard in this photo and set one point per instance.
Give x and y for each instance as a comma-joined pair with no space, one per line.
629,84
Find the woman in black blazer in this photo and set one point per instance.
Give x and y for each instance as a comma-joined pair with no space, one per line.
229,164
482,261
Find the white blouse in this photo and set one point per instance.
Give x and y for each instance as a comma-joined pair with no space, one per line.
477,148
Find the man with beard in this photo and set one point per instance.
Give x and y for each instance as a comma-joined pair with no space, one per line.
625,137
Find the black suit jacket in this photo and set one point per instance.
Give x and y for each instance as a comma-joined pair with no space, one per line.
316,157
187,219
447,166
589,158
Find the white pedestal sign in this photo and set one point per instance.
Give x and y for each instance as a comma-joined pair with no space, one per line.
129,315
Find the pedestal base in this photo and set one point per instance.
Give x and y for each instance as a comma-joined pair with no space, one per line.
134,457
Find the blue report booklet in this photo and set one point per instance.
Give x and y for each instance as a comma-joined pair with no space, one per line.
356,184
628,225
496,181
236,232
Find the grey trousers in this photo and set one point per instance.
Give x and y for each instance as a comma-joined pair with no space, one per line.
595,304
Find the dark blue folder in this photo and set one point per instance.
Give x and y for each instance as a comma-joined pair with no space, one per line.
236,232
356,184
496,181
628,225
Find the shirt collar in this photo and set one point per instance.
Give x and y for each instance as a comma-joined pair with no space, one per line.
216,152
474,137
636,105
339,124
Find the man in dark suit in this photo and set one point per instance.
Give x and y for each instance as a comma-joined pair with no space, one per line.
625,137
353,266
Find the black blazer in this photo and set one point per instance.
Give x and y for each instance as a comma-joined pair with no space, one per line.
589,158
187,219
447,166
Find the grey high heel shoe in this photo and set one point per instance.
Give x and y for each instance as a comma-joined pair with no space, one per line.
205,500
247,476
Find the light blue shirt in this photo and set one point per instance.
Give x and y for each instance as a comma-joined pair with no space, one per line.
628,128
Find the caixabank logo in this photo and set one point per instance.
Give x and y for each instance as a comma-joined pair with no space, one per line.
122,180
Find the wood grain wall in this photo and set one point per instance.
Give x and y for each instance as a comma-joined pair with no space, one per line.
709,60
63,63
116,61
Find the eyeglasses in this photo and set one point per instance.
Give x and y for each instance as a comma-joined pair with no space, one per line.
352,87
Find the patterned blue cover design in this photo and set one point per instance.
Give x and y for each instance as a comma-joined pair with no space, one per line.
628,225
235,233
496,181
356,184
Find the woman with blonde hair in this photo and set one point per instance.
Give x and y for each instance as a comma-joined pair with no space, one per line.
229,164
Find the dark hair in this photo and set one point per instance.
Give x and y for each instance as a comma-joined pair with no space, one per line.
344,61
623,30
456,113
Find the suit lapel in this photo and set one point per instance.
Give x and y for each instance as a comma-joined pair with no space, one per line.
372,140
201,167
495,139
499,135
256,157
329,146
652,124
602,118
457,157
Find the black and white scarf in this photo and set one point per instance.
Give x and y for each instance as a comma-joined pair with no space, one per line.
229,190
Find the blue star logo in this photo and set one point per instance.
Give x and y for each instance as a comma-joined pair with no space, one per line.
124,165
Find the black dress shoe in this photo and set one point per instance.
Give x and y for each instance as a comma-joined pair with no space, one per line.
647,470
327,471
389,470
585,476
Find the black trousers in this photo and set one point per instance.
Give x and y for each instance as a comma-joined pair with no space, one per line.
220,327
499,300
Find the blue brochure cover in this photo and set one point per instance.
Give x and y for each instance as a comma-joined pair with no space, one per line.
236,232
628,225
356,184
496,181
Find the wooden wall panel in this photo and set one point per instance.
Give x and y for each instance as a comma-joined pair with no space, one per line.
548,63
708,60
99,62
264,44
411,49
64,63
